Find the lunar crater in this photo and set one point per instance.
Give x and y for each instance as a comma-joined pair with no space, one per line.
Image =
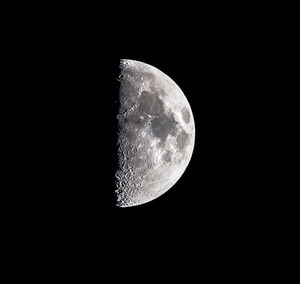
167,157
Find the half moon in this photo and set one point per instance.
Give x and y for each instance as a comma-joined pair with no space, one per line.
156,134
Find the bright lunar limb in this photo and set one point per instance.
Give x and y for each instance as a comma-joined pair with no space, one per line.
156,134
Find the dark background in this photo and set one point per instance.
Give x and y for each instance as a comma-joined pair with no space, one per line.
217,69
221,201
222,206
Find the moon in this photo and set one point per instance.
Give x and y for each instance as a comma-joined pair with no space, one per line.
156,134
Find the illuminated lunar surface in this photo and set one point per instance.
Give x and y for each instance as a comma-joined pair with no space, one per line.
156,134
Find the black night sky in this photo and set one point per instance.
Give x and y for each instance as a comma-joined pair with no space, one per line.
215,72
220,192
223,207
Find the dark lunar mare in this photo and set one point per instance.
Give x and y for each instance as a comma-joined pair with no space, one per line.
162,126
150,103
186,115
181,140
